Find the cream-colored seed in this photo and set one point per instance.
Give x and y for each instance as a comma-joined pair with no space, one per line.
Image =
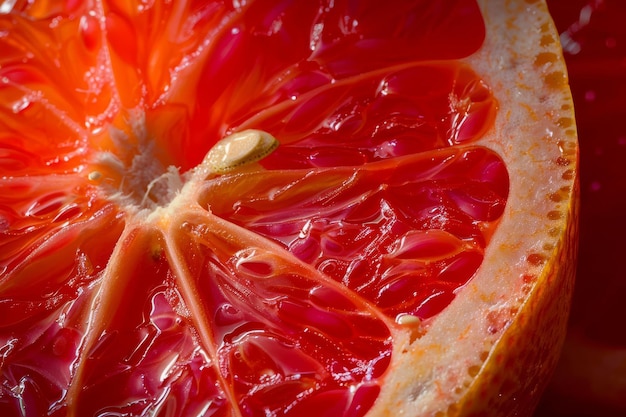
409,320
94,175
413,324
240,149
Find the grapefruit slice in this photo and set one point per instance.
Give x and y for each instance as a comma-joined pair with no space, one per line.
282,209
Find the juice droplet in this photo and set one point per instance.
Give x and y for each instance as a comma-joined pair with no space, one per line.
7,6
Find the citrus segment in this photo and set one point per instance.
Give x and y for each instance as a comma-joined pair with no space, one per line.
382,114
168,256
282,330
143,354
415,225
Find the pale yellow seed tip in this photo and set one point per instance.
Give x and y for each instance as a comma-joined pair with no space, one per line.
408,320
413,324
94,176
239,149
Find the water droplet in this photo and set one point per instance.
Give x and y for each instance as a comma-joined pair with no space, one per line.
7,6
239,4
21,105
227,315
590,95
610,42
4,224
595,186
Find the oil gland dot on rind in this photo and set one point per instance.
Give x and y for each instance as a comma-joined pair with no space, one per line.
240,149
536,259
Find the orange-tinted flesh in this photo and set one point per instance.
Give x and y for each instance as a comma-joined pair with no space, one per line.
276,291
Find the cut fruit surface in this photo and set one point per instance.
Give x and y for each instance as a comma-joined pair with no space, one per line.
282,208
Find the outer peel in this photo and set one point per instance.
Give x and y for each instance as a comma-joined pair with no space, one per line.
492,350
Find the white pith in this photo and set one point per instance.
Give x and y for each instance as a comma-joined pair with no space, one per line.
131,174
